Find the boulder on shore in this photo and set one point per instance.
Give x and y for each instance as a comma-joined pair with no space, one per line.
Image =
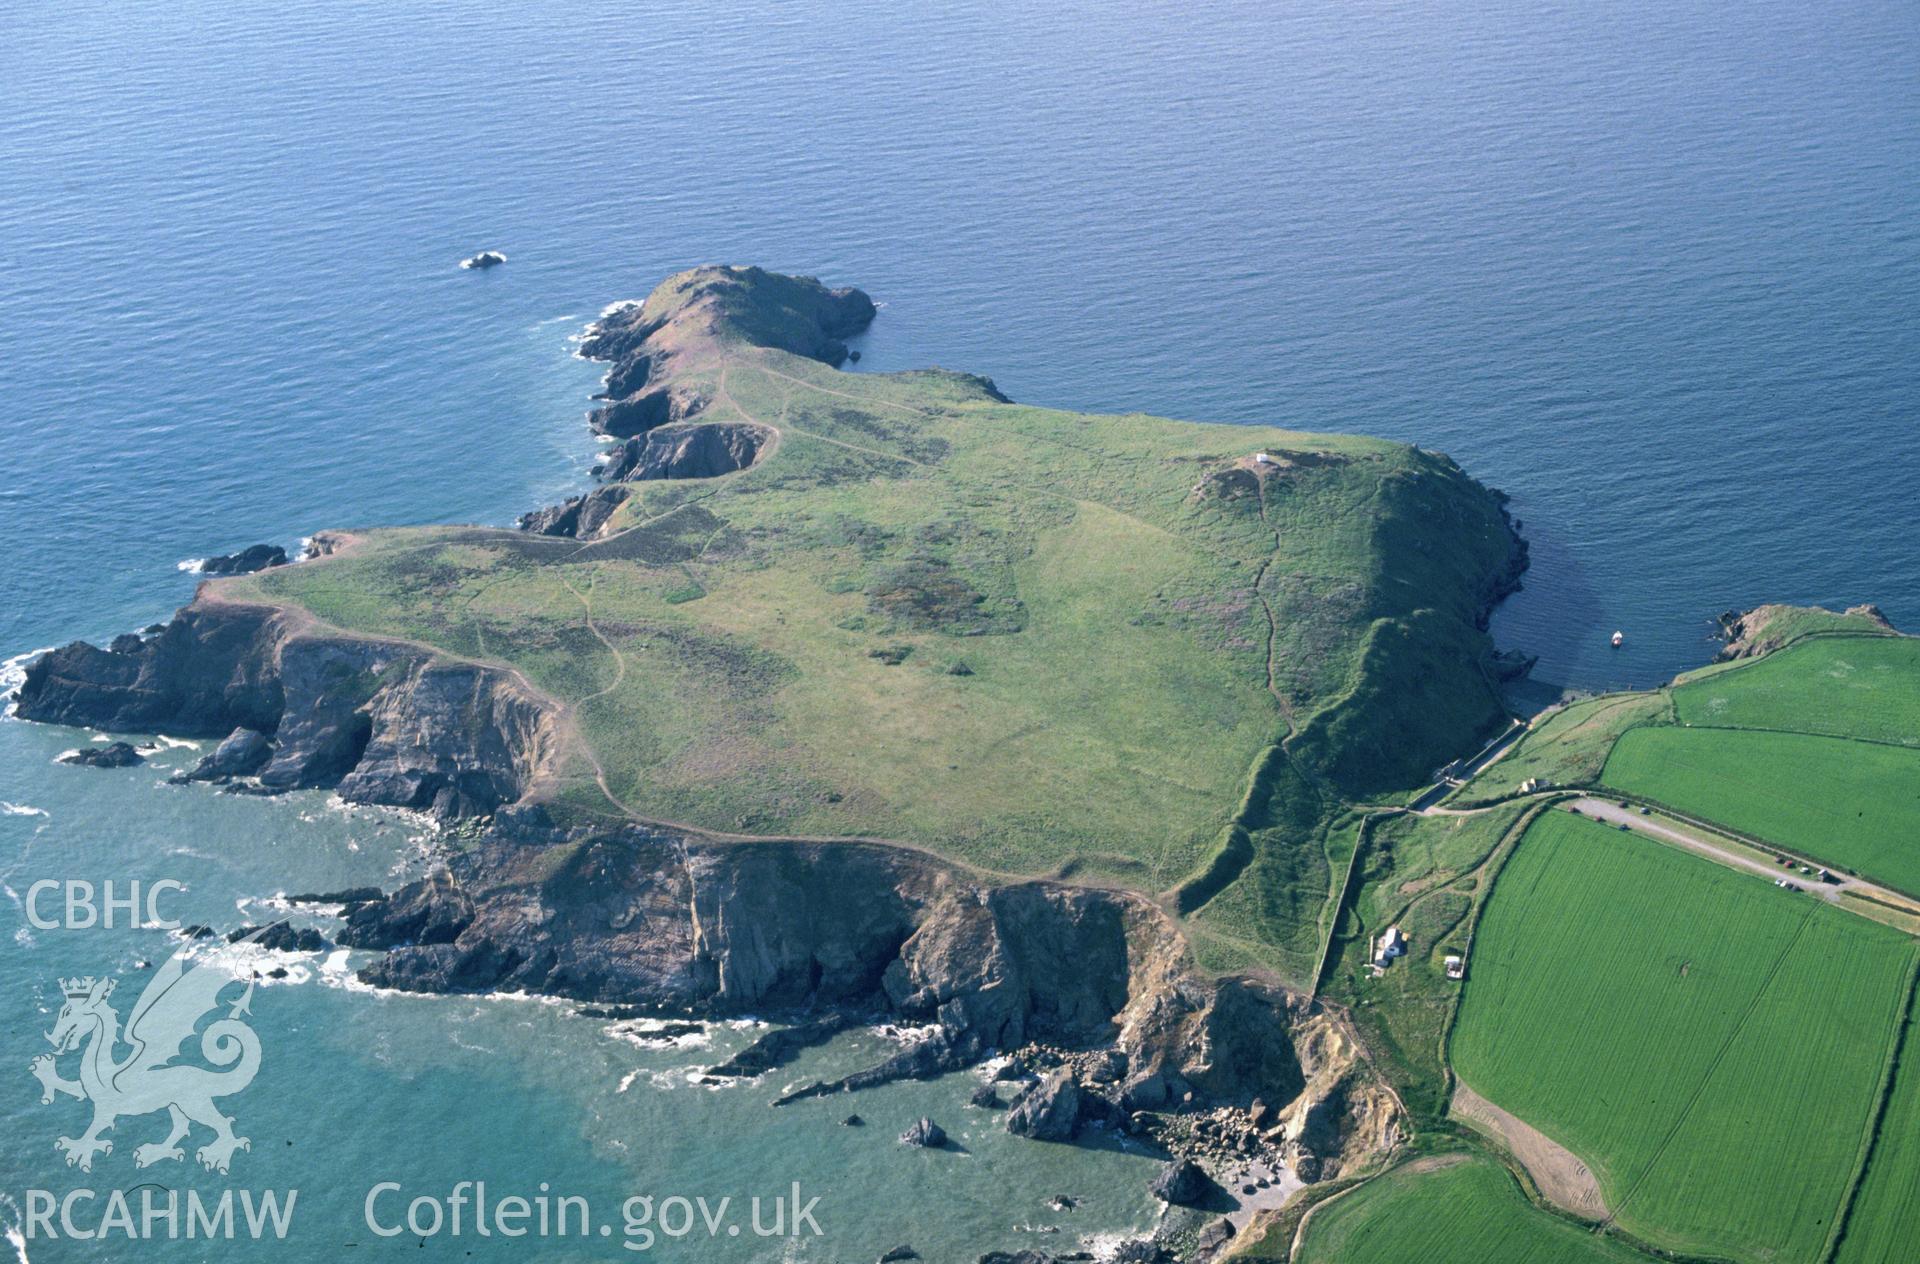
1051,1109
1181,1183
112,755
241,753
926,1134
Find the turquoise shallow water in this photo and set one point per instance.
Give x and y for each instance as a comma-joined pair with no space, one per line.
1649,267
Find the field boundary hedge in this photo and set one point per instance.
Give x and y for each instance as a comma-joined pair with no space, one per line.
1870,1144
1741,836
1345,895
1496,865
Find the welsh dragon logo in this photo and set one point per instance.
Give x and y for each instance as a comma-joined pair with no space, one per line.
149,1079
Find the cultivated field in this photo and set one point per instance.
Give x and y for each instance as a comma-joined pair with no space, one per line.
1712,1046
1844,686
1456,1210
1850,804
1884,1226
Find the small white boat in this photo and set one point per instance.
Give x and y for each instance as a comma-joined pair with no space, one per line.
1619,639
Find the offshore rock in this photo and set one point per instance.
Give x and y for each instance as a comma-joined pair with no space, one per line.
112,755
926,1134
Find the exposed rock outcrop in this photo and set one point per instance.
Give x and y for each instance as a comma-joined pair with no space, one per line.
383,722
257,557
112,755
484,260
699,451
242,753
1051,1109
1763,629
577,517
1181,1183
673,925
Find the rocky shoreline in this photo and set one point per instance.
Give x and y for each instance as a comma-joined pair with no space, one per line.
380,722
654,419
1089,995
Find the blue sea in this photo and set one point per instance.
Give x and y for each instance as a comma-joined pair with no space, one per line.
1651,268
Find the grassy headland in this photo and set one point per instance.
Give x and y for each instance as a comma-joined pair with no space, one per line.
1036,641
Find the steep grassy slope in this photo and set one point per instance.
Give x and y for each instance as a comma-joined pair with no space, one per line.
1035,640
1712,1047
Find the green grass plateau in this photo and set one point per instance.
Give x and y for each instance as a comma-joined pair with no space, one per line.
1038,642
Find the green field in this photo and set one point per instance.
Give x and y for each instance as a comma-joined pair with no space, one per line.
1036,641
1844,686
1884,1226
1855,805
1711,1046
1468,1211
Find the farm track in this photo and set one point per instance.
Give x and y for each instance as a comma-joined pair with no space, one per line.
1612,813
1564,1180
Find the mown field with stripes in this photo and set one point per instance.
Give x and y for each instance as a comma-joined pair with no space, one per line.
1713,1047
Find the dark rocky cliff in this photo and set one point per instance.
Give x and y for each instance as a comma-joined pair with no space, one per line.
384,722
637,917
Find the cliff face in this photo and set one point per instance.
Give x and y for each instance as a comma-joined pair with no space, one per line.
384,723
637,917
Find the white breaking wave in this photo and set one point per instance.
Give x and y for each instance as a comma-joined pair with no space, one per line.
190,565
13,1230
20,809
13,674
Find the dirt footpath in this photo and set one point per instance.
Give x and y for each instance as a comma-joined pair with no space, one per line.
1563,1179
